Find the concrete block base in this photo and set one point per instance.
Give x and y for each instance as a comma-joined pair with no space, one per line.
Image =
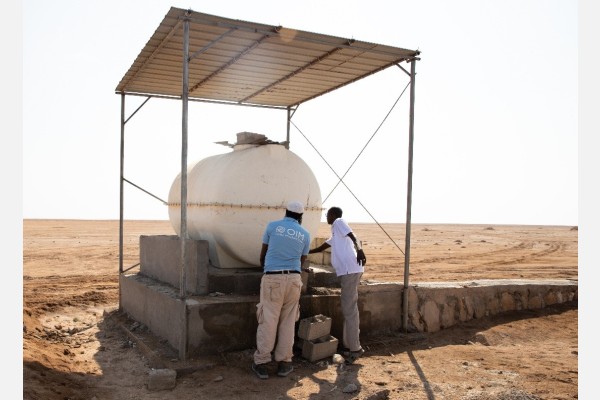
228,322
314,327
317,349
160,259
219,313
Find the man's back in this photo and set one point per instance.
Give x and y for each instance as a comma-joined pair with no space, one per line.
287,241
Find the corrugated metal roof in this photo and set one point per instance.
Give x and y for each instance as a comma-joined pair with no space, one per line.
250,63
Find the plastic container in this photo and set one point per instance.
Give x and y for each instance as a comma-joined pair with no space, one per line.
233,196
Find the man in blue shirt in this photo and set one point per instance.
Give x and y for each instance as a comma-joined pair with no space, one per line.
284,249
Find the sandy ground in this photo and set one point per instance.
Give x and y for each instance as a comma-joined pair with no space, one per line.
74,346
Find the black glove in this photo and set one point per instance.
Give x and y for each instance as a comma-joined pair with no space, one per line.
361,258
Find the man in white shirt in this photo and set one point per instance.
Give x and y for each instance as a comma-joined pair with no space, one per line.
348,260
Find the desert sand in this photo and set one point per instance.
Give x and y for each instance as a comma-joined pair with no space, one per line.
74,346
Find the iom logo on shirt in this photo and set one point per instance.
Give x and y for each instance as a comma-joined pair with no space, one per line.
290,233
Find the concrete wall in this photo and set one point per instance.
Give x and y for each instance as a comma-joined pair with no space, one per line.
228,322
380,308
224,323
160,258
154,304
435,306
225,320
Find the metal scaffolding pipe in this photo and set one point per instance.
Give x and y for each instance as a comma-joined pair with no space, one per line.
289,117
183,232
411,127
121,192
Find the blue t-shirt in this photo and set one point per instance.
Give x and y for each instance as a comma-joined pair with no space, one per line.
287,241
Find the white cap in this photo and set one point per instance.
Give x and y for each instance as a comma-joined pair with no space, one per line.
296,207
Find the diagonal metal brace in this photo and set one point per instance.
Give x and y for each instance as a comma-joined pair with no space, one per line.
145,191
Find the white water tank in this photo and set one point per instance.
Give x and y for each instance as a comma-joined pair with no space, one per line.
233,196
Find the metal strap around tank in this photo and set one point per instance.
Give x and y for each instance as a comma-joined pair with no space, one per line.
237,205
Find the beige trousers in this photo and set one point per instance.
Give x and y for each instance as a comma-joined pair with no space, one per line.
349,299
277,313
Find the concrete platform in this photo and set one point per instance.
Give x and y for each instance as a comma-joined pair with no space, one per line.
160,260
228,322
220,309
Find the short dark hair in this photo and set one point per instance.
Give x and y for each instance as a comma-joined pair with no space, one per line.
336,211
291,214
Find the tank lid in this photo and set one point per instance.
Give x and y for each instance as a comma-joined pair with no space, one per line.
248,139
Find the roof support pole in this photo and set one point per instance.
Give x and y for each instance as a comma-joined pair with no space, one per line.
411,126
183,235
121,192
289,117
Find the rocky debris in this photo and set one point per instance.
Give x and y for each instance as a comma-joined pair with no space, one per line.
162,379
350,388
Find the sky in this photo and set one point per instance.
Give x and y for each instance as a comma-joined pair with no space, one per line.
496,111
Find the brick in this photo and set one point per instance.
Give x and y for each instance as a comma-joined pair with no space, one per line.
320,348
314,327
162,379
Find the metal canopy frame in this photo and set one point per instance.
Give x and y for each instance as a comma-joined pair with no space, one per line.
194,56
